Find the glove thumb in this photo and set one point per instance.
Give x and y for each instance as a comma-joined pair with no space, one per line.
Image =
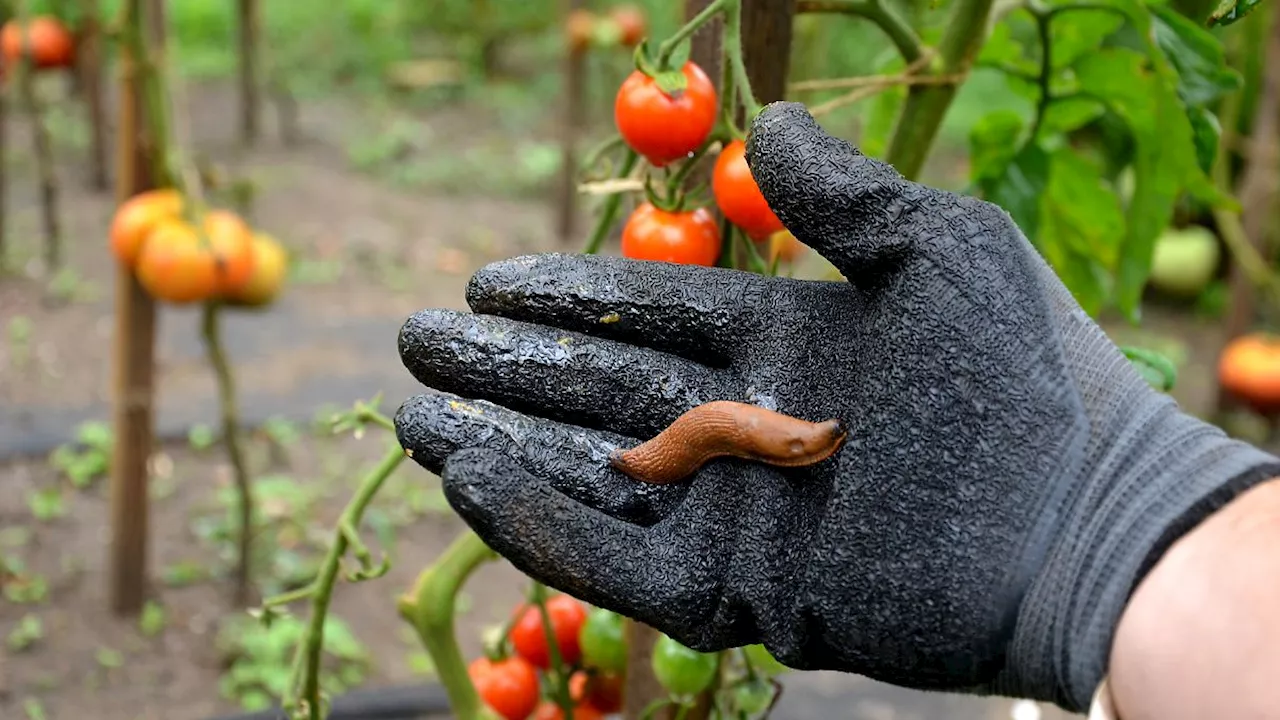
843,204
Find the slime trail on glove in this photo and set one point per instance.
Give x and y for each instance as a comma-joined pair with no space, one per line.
1006,479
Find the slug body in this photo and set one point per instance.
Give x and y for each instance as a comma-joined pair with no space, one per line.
723,428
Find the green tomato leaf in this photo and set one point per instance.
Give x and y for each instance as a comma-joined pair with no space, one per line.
1206,133
1164,162
1003,50
1070,113
680,55
1081,227
1198,57
1155,367
1019,190
1079,209
1230,11
993,143
1078,32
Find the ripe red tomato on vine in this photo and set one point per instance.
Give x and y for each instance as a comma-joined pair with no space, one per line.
529,639
688,237
664,128
738,195
509,687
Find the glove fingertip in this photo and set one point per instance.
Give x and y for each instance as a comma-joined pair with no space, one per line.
830,195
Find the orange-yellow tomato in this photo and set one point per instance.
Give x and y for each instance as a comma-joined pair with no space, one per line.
270,265
176,265
137,217
231,242
1249,369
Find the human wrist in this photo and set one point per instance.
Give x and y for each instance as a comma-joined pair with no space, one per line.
1198,636
1156,474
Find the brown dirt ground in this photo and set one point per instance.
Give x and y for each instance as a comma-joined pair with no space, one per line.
398,251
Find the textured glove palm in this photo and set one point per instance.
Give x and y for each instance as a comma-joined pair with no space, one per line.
1007,478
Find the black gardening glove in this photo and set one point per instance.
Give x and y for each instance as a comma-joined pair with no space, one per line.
1007,478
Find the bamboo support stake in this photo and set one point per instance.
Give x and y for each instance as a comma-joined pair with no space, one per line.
134,334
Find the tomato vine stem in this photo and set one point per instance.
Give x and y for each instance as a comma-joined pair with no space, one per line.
610,210
887,19
668,47
926,105
229,409
560,679
305,671
731,46
429,607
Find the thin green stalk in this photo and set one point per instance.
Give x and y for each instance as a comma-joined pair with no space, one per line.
610,210
430,607
229,409
538,595
1044,26
731,46
894,26
926,105
668,46
306,663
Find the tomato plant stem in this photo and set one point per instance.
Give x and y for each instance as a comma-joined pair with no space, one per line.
668,46
887,19
731,46
229,409
429,606
306,662
926,105
610,210
560,678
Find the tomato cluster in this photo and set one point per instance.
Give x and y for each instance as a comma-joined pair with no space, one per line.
47,42
511,687
217,257
665,121
592,648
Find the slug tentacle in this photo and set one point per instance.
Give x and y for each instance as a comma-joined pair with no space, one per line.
724,428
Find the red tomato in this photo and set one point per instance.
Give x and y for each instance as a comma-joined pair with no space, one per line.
508,686
550,711
738,195
530,639
689,238
48,42
661,127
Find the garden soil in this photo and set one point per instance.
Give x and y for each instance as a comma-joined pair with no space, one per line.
372,253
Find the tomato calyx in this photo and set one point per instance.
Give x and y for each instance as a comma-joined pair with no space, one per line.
666,69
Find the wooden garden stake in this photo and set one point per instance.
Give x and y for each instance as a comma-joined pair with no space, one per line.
135,325
574,110
248,16
89,59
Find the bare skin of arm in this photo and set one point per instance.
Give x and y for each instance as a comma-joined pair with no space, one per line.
1200,637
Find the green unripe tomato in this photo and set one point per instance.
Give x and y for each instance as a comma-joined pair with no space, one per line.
602,642
763,662
753,697
681,670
